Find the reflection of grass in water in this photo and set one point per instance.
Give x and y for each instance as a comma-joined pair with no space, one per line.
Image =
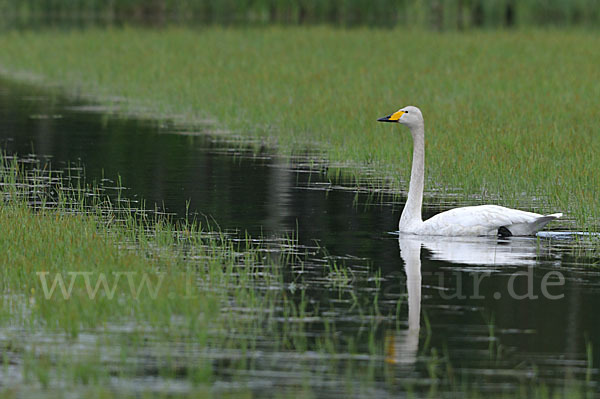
206,294
509,115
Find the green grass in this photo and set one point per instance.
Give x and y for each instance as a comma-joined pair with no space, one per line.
212,295
77,241
82,242
204,294
509,115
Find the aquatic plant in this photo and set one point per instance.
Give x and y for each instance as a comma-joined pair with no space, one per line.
512,113
95,289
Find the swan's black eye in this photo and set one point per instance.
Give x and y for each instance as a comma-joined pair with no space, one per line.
406,112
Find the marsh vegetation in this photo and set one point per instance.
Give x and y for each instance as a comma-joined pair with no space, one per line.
510,115
262,264
434,14
102,295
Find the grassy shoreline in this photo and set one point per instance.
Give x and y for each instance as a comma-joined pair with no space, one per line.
96,295
211,295
216,297
132,286
510,116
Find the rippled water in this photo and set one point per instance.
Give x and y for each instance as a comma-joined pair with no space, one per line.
500,312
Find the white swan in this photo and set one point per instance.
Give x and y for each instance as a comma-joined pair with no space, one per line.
483,220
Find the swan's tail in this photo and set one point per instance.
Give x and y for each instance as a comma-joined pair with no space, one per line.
544,220
526,229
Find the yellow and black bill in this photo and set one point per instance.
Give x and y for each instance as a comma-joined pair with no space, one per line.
395,117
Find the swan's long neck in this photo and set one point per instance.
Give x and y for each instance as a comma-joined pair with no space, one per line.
411,215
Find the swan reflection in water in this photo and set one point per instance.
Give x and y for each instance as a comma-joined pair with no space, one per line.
401,347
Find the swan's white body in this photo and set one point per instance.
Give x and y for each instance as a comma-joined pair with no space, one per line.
483,220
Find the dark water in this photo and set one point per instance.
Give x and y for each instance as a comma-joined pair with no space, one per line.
503,312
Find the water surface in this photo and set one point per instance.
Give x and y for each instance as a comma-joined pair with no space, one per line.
501,311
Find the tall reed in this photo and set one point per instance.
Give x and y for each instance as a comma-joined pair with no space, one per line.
435,14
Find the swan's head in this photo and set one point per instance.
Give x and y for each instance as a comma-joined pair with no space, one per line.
409,116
